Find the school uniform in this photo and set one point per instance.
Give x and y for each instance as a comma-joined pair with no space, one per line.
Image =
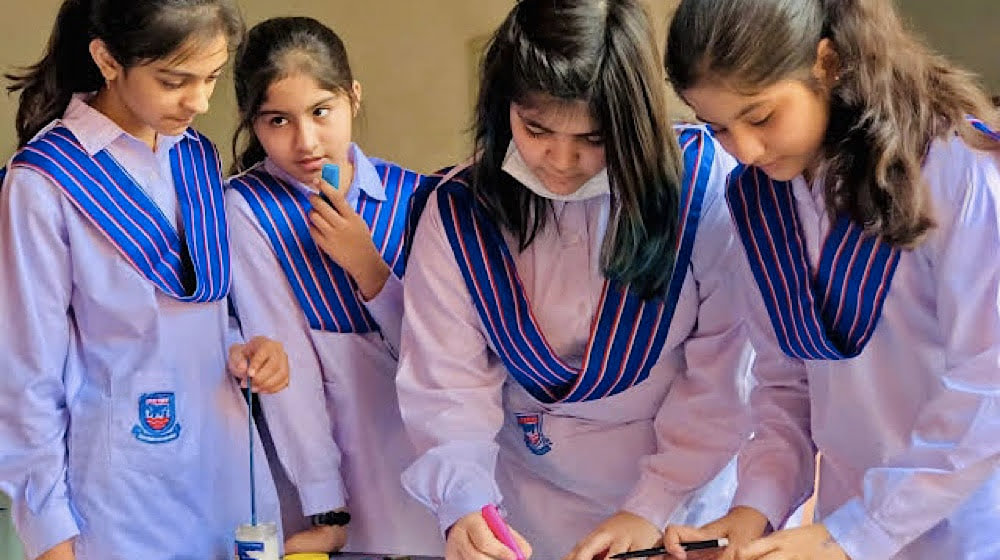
336,429
654,415
119,423
883,359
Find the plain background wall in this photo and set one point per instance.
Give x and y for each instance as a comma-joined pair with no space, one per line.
416,62
415,59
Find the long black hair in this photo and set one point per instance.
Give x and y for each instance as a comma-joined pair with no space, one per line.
601,52
135,32
274,49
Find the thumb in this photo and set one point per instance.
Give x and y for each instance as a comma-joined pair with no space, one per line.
238,360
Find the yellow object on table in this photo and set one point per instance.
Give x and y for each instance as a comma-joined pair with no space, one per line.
307,556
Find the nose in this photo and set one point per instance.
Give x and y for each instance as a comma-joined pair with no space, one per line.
744,146
305,137
197,99
563,154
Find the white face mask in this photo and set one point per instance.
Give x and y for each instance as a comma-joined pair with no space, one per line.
514,165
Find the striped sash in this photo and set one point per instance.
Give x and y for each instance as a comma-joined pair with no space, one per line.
114,203
627,334
325,292
826,314
829,314
981,127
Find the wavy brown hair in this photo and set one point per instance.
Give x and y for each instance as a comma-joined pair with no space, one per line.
893,96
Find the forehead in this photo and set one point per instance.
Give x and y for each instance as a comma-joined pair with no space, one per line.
720,103
557,115
198,56
298,90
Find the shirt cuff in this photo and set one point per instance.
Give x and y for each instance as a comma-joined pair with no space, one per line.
858,534
321,497
767,497
387,309
42,531
651,500
464,500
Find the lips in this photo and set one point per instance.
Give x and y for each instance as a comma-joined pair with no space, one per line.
310,163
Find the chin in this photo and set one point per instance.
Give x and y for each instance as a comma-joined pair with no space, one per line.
174,130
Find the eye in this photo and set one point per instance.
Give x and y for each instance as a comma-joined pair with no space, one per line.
321,112
761,121
594,139
277,121
169,84
717,130
534,131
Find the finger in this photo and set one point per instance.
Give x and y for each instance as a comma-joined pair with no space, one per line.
262,352
522,543
758,548
271,378
325,224
676,534
618,546
337,198
483,540
592,545
237,362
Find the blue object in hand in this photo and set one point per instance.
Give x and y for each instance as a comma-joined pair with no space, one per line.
331,174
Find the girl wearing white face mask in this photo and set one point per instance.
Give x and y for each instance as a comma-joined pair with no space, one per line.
568,346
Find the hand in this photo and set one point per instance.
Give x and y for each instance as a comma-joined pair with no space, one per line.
621,532
812,542
344,236
321,538
262,360
470,538
61,551
741,525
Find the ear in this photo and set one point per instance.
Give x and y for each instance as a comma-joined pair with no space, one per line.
107,64
827,68
356,89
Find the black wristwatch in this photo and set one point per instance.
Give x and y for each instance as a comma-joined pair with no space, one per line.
330,519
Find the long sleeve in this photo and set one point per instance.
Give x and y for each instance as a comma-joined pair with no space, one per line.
704,419
35,288
449,385
776,467
387,310
297,417
954,446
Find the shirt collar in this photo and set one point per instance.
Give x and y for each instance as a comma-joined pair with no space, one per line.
96,131
366,178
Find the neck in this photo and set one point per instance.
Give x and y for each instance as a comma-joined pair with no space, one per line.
111,105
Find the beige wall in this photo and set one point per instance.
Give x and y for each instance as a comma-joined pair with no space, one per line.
414,62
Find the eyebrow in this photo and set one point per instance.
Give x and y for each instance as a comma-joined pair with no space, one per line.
738,116
535,124
182,74
323,101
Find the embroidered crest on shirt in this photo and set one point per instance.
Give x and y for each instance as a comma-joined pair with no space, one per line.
536,441
157,418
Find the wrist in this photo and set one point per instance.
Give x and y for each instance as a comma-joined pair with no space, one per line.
371,277
335,518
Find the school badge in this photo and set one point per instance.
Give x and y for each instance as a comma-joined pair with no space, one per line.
536,441
157,418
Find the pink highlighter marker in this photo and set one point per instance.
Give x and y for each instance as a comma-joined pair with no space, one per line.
500,530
